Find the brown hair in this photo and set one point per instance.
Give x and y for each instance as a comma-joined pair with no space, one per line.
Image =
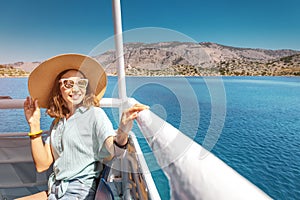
57,107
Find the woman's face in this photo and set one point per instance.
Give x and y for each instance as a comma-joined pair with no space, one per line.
73,87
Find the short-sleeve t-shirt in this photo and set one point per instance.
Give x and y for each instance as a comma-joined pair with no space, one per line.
77,144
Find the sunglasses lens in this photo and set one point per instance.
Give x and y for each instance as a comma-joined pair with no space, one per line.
82,83
68,83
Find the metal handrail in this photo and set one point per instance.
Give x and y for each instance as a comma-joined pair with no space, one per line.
193,172
19,103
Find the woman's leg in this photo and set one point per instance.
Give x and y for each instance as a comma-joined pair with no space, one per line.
37,196
80,191
77,190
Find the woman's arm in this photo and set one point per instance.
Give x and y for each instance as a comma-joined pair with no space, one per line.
41,153
125,126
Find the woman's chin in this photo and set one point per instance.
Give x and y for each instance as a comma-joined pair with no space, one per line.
75,102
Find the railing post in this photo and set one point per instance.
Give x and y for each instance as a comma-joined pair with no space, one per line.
119,49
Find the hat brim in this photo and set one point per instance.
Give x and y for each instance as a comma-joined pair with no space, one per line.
41,79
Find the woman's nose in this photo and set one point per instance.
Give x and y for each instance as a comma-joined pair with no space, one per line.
75,87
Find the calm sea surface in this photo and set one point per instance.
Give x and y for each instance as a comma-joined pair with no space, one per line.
260,137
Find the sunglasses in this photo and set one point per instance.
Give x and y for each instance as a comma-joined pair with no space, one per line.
69,83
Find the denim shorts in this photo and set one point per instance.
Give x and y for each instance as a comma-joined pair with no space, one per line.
76,190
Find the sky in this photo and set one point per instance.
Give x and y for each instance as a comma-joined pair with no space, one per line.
34,30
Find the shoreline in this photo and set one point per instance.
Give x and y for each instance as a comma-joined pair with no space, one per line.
172,76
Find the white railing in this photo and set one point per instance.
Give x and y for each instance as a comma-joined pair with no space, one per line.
19,103
193,172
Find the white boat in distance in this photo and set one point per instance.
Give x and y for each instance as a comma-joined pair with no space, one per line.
191,176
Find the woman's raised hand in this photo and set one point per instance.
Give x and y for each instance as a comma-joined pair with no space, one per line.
32,113
128,116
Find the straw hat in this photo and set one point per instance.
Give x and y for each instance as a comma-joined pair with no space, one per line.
42,78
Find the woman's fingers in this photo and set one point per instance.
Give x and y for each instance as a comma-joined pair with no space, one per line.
140,106
129,115
30,104
133,116
32,111
36,104
27,103
132,113
137,108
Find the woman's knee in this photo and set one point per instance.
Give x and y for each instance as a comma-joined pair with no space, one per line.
37,196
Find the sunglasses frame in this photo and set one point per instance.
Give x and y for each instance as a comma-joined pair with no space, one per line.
75,81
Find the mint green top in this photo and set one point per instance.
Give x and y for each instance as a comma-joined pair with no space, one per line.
77,146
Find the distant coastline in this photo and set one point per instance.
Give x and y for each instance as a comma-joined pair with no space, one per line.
187,59
173,76
11,72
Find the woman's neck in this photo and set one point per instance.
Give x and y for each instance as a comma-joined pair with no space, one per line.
71,111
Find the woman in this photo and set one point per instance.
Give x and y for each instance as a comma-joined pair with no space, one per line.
70,86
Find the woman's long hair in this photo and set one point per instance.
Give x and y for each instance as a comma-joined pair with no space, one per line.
57,106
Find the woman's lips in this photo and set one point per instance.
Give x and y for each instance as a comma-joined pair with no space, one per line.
75,96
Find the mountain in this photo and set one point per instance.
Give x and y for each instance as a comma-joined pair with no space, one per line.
196,59
201,59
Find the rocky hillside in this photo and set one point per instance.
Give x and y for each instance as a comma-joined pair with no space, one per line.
285,66
197,59
203,59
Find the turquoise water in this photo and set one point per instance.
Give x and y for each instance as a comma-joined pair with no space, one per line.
260,137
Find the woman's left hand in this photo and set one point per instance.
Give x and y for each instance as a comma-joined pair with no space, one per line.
125,126
128,116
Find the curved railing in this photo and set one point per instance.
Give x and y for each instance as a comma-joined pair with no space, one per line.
193,172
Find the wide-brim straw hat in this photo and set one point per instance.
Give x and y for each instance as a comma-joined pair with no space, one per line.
41,79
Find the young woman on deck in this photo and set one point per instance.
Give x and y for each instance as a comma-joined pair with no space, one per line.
70,87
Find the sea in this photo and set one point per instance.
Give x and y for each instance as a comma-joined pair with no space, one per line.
256,120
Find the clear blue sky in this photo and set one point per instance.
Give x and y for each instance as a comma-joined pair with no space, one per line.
33,30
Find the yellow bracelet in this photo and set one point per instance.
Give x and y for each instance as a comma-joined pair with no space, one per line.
36,133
